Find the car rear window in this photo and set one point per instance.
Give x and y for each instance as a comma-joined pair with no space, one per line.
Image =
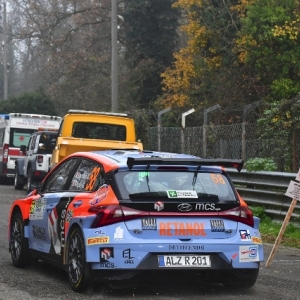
175,184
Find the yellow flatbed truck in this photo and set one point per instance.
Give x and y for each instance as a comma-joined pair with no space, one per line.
82,130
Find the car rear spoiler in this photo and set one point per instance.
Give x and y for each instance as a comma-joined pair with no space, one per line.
226,163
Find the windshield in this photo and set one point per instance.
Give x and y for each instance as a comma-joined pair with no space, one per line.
175,184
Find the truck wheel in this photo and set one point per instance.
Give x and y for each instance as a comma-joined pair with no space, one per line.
19,181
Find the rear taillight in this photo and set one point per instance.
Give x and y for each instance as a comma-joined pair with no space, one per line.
240,214
40,159
5,153
113,214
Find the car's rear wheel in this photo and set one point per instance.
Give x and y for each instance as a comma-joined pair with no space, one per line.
19,181
244,280
19,249
78,269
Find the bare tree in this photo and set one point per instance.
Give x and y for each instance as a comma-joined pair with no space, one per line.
64,45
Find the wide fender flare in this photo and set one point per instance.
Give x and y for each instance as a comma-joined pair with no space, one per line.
19,164
80,221
32,164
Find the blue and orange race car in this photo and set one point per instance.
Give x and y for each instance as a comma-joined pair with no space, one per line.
136,216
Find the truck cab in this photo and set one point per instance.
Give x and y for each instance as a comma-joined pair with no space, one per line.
82,130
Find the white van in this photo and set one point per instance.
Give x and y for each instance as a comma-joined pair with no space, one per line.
15,131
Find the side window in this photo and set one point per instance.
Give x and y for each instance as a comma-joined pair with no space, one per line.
33,144
87,177
58,179
2,136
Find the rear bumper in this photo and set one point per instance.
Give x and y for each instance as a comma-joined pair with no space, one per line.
141,257
6,172
160,276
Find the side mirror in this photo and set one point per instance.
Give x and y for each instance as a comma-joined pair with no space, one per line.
23,149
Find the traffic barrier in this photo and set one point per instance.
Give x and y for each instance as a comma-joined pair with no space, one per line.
266,189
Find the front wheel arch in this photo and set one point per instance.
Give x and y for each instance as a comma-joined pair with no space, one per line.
18,244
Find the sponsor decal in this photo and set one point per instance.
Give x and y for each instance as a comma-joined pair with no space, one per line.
217,226
79,180
97,240
40,246
256,240
118,235
256,233
127,253
234,255
184,207
182,194
159,205
99,231
186,247
69,215
105,254
245,235
100,195
56,225
149,224
37,209
180,228
248,253
206,206
39,232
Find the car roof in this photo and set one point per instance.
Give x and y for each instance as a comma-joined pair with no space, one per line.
124,159
121,157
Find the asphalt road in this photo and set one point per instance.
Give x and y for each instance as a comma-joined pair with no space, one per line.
281,280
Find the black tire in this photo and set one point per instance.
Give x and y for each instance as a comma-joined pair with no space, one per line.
18,244
244,280
29,181
19,181
79,272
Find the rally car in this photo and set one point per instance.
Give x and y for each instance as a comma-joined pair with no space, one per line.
135,216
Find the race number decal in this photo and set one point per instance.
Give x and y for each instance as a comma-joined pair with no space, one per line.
217,178
92,179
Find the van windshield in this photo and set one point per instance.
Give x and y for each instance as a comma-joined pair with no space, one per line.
19,136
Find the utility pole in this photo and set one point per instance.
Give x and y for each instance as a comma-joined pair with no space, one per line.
114,57
206,111
159,126
4,44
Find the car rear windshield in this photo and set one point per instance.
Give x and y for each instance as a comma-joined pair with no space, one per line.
175,184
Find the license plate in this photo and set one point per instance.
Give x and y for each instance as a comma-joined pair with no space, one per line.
176,261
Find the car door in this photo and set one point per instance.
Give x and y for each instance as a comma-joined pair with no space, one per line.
47,214
29,153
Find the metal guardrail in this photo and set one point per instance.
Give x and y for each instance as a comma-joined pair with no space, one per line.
266,189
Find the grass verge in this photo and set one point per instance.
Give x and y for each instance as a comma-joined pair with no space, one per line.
269,230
